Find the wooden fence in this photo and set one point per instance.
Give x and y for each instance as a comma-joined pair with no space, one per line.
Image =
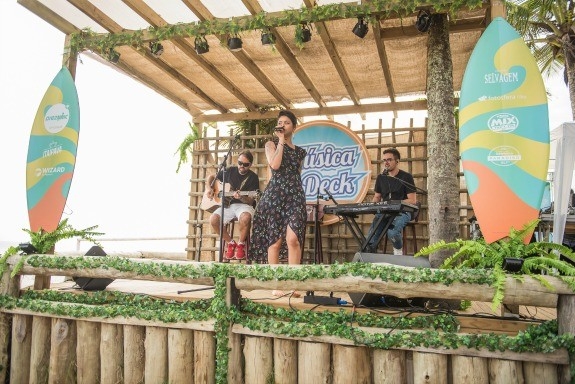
52,347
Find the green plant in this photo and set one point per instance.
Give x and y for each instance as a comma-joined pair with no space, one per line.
186,146
44,242
538,258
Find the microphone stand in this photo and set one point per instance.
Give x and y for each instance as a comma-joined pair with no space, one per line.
223,170
417,189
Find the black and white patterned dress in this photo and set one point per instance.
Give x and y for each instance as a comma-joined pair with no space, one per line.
281,204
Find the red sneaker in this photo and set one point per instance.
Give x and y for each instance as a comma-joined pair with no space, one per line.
240,251
231,250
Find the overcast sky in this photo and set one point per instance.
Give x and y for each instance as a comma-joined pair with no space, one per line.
125,180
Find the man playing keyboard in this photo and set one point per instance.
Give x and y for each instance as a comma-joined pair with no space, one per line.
392,184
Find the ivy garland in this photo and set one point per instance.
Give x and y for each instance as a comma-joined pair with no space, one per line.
433,331
371,11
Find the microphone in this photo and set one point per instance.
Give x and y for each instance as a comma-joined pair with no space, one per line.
279,129
385,171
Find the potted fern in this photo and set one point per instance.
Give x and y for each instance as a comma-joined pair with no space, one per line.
510,254
43,242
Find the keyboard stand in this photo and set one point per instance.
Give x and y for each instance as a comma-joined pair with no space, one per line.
355,229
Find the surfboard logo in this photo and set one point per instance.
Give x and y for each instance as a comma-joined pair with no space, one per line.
56,118
504,156
503,123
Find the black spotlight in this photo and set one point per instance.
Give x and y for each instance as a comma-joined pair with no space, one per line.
268,38
156,48
423,21
113,56
512,264
305,33
235,44
361,28
27,248
201,45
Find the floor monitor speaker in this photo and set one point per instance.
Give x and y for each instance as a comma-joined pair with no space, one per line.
89,283
381,300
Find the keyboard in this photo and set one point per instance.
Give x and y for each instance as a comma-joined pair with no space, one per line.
390,206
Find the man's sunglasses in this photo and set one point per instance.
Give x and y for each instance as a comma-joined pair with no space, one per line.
242,164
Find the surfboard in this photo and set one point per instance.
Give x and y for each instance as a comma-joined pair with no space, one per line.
52,153
504,132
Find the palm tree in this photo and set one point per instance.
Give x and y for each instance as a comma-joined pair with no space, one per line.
548,27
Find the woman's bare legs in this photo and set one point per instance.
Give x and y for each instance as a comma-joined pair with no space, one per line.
294,255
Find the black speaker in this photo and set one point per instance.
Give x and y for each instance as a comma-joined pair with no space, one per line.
381,300
89,283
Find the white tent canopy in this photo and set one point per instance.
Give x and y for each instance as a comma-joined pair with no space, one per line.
563,139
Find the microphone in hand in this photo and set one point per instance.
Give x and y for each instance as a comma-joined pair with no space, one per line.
279,129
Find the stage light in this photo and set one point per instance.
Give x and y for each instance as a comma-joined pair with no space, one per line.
268,38
235,44
361,28
27,248
156,48
512,264
423,21
305,33
201,45
113,56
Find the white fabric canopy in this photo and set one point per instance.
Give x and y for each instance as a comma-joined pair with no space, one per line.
563,138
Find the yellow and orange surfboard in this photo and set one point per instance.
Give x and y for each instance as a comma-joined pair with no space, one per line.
504,132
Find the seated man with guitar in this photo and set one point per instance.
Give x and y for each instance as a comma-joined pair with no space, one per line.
241,188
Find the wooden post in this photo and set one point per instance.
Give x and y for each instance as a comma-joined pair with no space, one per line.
88,352
180,356
134,354
204,357
235,357
111,353
285,359
11,287
21,349
469,370
259,360
566,324
314,362
505,371
351,364
389,367
429,368
62,352
156,355
40,354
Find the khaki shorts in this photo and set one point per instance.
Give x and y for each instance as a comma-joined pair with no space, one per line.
234,211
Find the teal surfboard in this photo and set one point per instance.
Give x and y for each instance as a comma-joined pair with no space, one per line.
52,153
504,132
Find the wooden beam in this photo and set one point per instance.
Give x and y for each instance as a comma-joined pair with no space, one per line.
384,61
49,16
316,111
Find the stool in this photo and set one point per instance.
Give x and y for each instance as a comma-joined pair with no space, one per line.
410,225
230,227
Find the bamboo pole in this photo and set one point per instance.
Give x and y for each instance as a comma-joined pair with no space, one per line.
21,349
259,360
134,354
88,352
111,353
180,356
40,354
62,352
156,355
389,367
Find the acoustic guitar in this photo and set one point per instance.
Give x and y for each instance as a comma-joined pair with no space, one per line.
213,203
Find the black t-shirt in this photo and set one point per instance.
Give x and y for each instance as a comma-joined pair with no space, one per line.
395,187
237,182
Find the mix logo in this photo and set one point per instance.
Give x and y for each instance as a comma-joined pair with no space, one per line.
56,118
503,123
337,161
504,156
